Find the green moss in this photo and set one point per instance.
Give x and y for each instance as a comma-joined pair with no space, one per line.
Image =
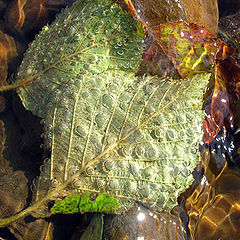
69,205
89,202
103,203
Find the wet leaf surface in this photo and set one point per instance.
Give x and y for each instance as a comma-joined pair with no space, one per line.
107,135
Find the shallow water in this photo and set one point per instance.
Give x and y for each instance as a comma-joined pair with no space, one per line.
210,199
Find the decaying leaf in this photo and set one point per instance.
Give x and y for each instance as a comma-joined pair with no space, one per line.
155,62
33,230
7,51
14,193
190,47
109,132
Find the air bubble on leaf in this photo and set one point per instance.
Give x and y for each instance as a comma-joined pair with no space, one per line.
81,131
108,100
182,134
85,95
149,89
89,109
125,96
95,92
134,169
123,164
90,171
126,65
63,102
158,133
114,184
170,135
113,87
100,120
119,43
160,120
100,183
130,187
123,106
72,170
179,150
59,168
176,171
185,172
161,198
108,165
180,118
151,152
111,139
150,171
150,110
190,133
54,183
126,151
43,122
76,183
120,52
139,151
100,81
144,191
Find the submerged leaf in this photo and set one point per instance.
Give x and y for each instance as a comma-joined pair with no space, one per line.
136,141
7,52
109,132
190,47
89,38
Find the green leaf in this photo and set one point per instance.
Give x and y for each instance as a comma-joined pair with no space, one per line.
91,37
110,133
135,139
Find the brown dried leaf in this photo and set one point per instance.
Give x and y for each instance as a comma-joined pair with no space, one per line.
7,51
155,61
38,229
13,192
27,15
4,165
